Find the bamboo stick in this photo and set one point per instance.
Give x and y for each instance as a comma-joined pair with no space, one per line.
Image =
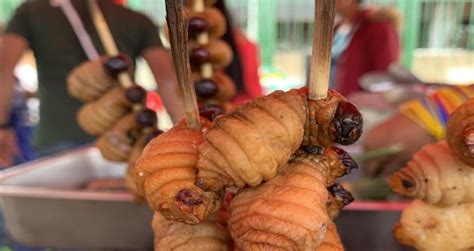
107,40
322,43
178,33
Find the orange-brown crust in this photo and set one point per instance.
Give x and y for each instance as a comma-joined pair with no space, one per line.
435,176
318,130
246,146
166,173
460,132
100,115
130,173
116,144
286,213
206,236
89,81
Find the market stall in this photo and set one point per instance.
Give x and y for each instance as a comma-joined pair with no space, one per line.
277,172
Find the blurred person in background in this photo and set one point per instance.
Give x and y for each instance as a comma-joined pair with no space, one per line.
20,122
245,64
42,27
365,40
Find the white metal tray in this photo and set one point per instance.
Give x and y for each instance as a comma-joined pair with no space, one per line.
45,205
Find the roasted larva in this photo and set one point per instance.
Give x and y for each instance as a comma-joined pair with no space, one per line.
431,228
134,156
436,176
288,212
248,145
98,116
206,236
117,143
460,132
92,79
166,173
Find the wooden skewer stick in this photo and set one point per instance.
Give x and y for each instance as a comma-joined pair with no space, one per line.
178,33
107,40
206,69
322,43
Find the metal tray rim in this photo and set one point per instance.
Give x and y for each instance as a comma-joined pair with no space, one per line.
55,193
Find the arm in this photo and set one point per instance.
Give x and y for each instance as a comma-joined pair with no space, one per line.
11,49
396,130
160,63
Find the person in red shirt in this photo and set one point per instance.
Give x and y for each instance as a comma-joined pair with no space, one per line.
365,40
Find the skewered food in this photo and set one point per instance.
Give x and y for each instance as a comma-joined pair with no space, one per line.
460,132
431,228
248,145
92,79
218,89
100,115
216,52
208,54
211,21
134,155
89,80
206,236
436,176
289,211
166,172
117,143
332,120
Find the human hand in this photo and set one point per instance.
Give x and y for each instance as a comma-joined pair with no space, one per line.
397,131
8,147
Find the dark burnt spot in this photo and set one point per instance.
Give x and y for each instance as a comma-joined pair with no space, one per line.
196,26
153,134
206,88
211,111
346,159
188,198
199,56
135,94
147,118
115,65
314,149
341,194
407,183
347,123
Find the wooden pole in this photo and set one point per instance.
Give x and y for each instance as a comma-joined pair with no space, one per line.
178,33
322,43
107,40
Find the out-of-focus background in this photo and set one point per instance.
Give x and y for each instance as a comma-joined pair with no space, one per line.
437,37
437,49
